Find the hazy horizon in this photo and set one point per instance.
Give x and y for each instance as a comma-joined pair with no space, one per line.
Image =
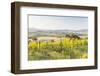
57,29
57,22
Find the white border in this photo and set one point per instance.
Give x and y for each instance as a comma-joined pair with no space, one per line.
25,64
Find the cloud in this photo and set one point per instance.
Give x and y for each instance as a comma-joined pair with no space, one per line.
58,22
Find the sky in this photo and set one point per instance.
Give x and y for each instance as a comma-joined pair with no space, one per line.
57,22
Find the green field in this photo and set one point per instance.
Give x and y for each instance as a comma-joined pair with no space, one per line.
66,48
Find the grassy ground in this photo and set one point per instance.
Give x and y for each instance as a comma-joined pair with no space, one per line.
61,49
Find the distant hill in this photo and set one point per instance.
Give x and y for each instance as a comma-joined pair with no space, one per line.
38,32
33,30
65,30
